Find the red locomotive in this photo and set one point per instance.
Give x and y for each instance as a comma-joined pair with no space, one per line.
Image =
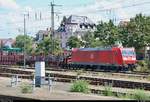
102,58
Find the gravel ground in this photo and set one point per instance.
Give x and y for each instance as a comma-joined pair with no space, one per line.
59,91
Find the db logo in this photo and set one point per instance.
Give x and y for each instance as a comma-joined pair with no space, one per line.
92,56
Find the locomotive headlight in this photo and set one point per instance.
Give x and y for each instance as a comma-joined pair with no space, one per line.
133,58
124,58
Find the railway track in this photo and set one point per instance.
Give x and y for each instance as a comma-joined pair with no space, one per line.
56,68
119,74
93,80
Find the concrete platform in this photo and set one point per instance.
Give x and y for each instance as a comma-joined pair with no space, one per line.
59,91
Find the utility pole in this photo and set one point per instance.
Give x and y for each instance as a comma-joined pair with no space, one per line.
53,24
52,20
24,51
24,42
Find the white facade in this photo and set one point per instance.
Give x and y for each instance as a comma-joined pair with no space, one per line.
75,26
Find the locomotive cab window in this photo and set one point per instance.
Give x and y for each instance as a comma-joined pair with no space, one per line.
128,53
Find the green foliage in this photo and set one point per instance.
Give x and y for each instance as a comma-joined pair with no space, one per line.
27,40
140,95
48,46
107,33
89,40
80,86
136,33
74,42
142,63
143,66
137,94
26,88
108,90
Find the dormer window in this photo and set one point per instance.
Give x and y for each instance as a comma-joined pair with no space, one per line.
86,26
81,26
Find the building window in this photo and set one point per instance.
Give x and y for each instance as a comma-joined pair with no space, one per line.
80,26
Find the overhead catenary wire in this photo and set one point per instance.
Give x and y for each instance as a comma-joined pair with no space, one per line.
127,6
100,10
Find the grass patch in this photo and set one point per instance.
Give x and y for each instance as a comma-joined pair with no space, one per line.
140,95
137,94
26,88
80,86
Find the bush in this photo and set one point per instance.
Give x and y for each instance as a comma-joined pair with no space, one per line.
26,88
142,63
80,86
140,95
143,66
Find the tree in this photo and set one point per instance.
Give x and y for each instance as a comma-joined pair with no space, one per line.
89,40
46,46
136,33
74,42
57,47
24,39
147,29
107,33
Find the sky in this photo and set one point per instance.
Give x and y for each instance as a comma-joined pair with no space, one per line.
12,11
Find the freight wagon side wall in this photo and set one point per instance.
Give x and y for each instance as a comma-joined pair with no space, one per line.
10,59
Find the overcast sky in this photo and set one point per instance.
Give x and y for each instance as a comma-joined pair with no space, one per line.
11,13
